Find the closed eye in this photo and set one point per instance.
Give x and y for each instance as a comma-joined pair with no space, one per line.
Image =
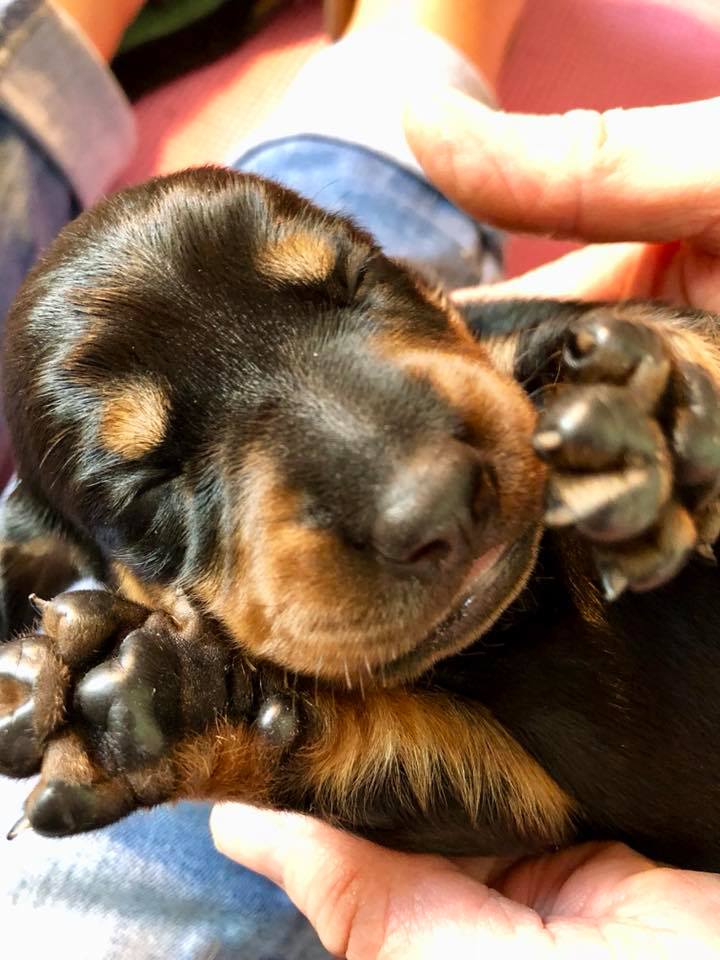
357,275
154,477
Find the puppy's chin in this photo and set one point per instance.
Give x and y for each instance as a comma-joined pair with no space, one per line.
494,580
362,653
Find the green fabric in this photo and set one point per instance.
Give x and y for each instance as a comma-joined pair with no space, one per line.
159,20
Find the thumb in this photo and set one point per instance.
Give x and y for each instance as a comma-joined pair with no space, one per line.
366,902
613,271
610,271
647,174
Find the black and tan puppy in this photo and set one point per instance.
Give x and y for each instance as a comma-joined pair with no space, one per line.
319,493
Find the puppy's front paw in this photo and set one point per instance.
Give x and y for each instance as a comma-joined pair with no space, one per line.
632,434
36,670
97,698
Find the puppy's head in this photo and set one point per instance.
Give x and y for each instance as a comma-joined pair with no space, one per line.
240,395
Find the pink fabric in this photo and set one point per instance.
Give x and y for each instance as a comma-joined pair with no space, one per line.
607,53
566,54
198,118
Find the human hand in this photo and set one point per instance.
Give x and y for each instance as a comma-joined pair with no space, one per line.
649,175
589,902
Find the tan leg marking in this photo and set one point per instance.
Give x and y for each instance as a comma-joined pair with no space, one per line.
419,746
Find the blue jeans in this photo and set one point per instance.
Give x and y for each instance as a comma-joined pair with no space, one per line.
152,886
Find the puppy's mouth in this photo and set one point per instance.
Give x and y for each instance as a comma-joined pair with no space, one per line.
493,581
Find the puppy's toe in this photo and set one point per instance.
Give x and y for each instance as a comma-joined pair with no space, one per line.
611,470
83,622
650,560
604,348
61,809
696,433
33,684
73,794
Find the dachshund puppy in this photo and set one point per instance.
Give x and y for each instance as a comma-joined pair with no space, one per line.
441,577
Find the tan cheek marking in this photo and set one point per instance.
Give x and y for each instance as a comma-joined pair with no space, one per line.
409,746
277,574
134,417
297,257
226,591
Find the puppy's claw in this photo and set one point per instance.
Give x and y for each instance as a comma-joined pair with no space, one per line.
37,604
185,617
614,583
21,826
547,440
706,551
559,515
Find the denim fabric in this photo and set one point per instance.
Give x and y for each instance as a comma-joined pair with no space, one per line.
54,84
356,90
152,887
35,202
149,888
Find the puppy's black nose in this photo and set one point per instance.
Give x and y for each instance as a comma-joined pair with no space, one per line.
428,514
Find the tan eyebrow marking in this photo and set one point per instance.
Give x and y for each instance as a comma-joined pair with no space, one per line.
134,417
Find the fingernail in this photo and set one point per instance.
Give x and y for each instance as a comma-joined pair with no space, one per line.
706,551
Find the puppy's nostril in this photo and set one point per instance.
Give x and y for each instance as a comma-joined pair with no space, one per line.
411,547
431,552
428,513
